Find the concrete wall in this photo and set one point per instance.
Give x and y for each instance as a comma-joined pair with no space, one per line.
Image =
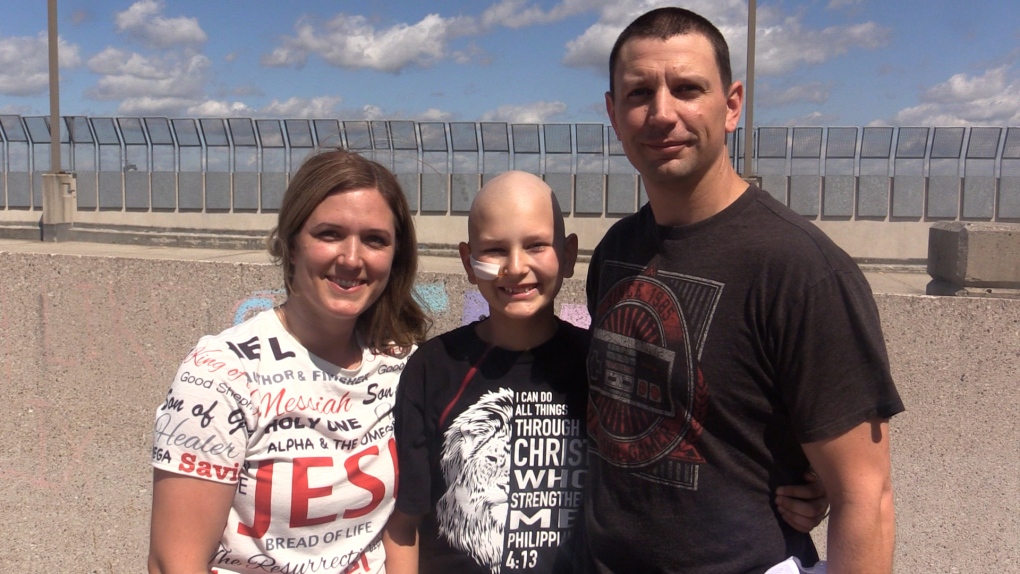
865,240
88,346
956,451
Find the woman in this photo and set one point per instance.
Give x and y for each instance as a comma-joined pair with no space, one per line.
273,450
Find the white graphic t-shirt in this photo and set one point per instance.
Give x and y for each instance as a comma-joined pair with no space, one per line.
309,445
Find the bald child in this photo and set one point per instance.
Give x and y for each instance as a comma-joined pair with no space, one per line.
490,416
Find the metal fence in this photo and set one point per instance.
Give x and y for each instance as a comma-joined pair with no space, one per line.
224,165
899,173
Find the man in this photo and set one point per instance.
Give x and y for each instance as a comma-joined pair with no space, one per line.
734,345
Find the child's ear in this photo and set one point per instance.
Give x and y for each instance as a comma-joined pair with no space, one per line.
465,260
569,255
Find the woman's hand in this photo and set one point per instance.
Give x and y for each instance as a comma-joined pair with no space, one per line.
803,506
188,518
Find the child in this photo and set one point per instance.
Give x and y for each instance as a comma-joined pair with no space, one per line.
490,416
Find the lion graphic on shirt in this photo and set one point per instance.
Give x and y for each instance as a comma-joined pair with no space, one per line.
475,461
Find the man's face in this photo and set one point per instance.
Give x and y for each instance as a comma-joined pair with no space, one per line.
670,110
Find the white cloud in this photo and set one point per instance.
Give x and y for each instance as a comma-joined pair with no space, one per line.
320,107
219,109
837,4
352,42
149,85
591,49
783,43
519,14
472,53
371,112
172,80
80,17
784,46
244,91
292,108
24,63
993,98
812,93
812,119
16,110
435,115
154,105
180,86
537,112
144,22
963,88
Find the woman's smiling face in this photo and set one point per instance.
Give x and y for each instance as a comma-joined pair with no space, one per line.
343,254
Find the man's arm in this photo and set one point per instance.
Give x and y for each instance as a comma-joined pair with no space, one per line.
855,469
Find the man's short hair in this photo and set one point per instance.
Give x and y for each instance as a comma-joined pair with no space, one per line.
664,23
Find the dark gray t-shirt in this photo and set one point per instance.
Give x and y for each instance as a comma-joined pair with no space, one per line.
717,349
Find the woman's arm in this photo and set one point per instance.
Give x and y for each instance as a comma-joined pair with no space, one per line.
188,518
400,539
803,506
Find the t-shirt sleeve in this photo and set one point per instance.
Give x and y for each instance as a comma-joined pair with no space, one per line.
833,368
201,428
409,429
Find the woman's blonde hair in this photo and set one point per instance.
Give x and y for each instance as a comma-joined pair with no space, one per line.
395,320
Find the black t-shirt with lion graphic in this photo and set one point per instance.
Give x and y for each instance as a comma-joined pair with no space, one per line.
491,450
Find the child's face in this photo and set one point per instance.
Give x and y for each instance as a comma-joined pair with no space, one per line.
515,230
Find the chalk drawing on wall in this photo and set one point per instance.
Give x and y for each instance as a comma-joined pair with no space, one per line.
257,302
575,314
433,297
60,450
475,307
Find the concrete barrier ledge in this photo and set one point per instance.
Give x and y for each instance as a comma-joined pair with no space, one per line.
974,258
88,345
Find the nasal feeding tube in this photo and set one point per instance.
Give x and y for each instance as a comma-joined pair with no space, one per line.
486,271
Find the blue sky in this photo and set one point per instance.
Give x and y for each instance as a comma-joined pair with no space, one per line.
819,62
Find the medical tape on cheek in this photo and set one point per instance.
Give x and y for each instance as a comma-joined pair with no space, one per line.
485,271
